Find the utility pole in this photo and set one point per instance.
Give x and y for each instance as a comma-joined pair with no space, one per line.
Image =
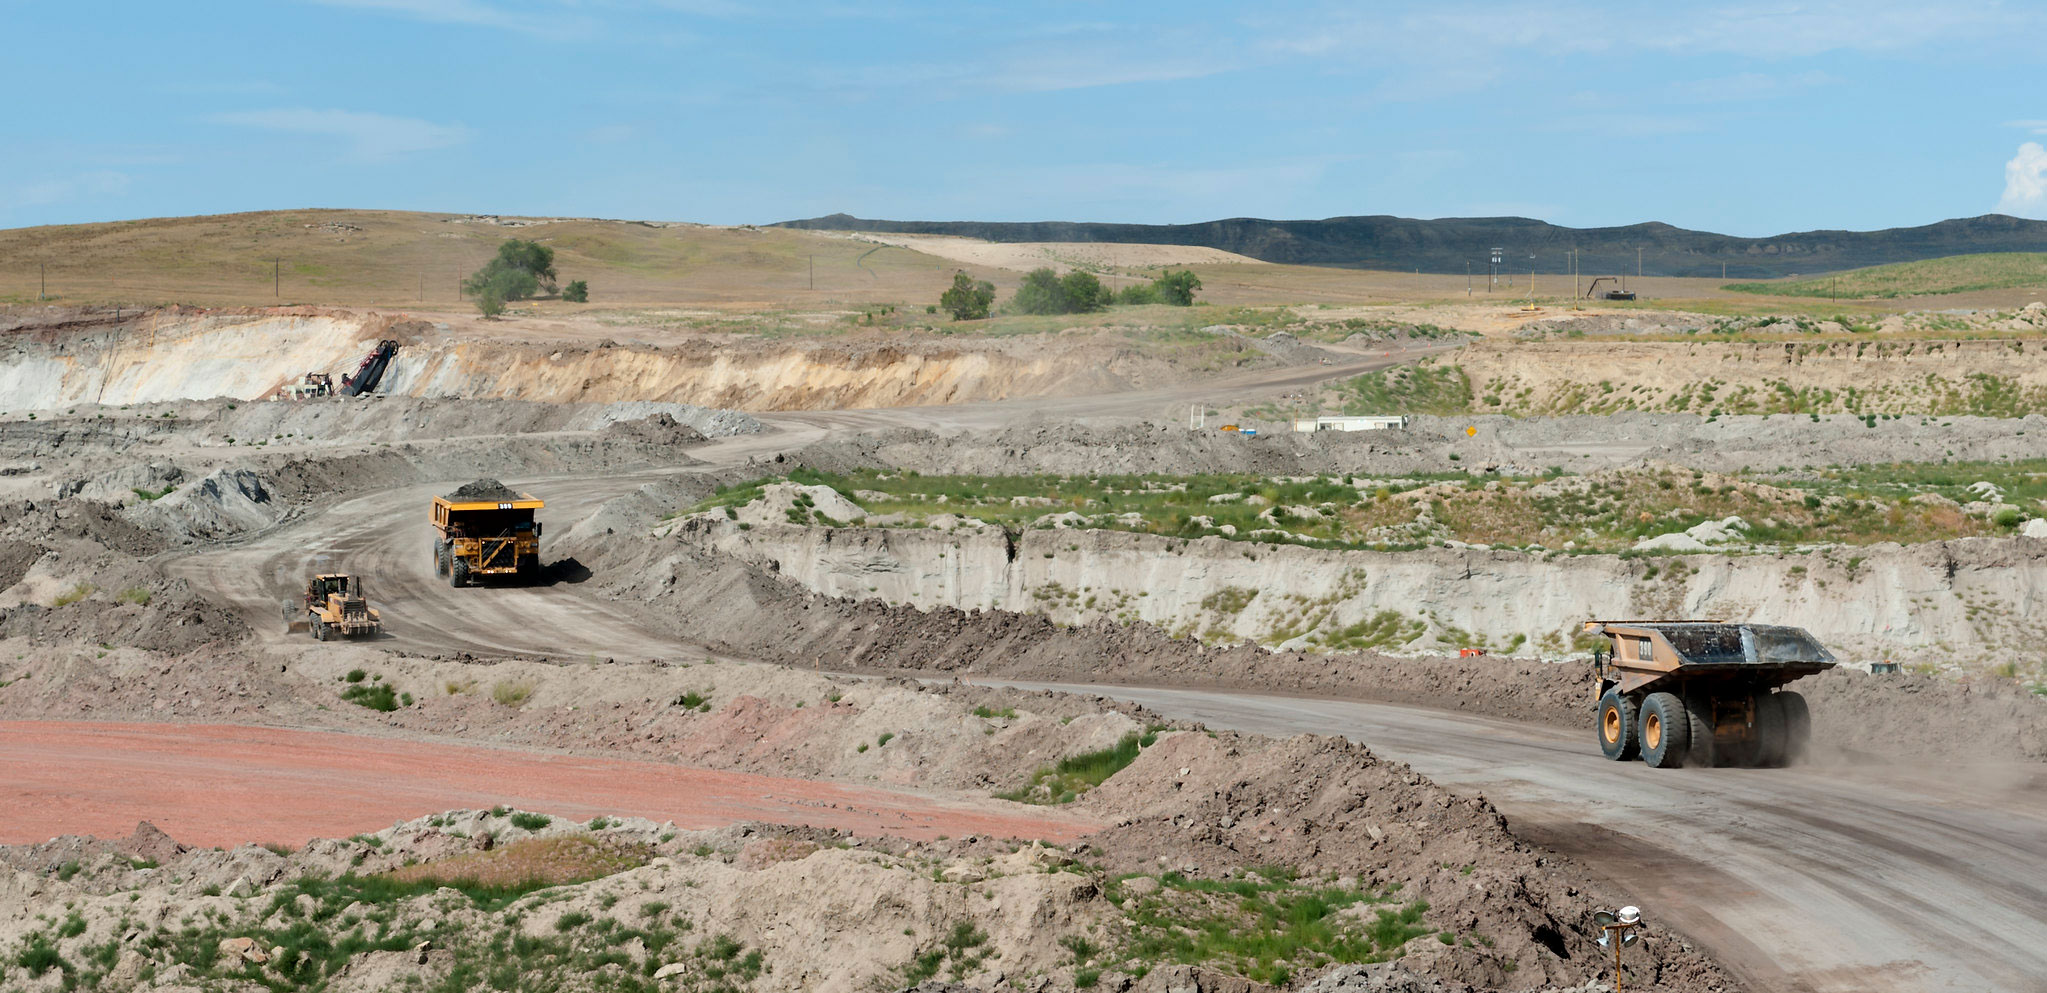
277,278
43,287
813,272
1638,263
1723,270
1467,279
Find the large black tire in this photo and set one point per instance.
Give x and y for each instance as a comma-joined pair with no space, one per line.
1773,732
1665,730
1797,726
458,574
529,569
319,630
440,559
1617,722
1705,752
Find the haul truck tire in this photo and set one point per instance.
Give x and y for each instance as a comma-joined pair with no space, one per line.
440,559
1797,725
1617,723
1773,732
1705,751
458,574
1666,731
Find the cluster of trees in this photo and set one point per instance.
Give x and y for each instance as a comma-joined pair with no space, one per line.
1046,292
520,270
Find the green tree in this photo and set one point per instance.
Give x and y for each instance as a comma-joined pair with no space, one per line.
1084,292
967,300
1138,293
578,291
1177,287
1041,293
518,271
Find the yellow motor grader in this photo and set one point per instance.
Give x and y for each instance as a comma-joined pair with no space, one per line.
334,605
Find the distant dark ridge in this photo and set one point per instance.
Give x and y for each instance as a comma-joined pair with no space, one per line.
1448,244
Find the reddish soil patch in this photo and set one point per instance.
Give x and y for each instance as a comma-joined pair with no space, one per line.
226,785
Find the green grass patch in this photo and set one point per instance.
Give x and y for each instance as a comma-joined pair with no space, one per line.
74,594
376,696
1422,388
1066,780
1265,926
1954,274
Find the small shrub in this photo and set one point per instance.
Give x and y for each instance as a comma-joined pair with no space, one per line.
136,595
530,822
39,956
512,692
599,823
571,920
378,697
355,675
74,594
886,737
1006,713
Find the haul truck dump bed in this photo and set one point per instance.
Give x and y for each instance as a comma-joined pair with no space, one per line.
486,529
1703,692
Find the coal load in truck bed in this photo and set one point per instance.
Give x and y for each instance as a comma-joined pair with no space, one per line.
484,489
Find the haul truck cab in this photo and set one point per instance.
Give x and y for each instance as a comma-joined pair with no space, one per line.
481,531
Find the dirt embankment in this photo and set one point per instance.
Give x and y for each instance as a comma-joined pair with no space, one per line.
762,613
172,355
1495,443
2006,377
1189,807
1958,604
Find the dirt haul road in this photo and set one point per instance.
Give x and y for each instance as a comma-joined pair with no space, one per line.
1817,880
227,785
1822,879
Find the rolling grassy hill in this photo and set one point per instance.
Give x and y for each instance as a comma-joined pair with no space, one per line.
1447,245
399,258
1955,274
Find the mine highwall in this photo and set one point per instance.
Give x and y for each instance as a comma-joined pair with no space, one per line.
182,355
1969,601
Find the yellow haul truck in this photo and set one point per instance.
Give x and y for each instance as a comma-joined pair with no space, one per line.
1703,693
486,529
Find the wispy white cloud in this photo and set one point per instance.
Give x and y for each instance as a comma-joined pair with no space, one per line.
476,13
2036,127
366,136
1750,86
2025,183
68,189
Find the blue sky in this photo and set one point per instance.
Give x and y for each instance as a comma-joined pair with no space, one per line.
1747,118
